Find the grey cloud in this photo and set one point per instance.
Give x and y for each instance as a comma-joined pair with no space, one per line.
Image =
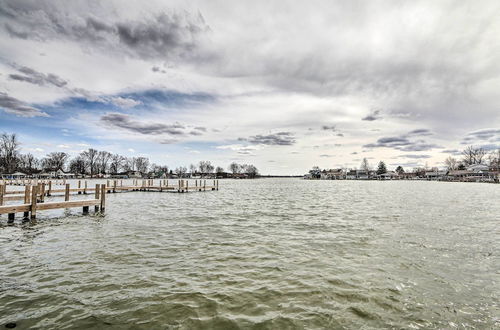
281,138
486,134
454,152
195,133
415,156
125,122
200,128
402,143
374,115
18,107
419,132
326,156
340,134
166,35
332,128
38,78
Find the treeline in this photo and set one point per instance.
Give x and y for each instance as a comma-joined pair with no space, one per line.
99,162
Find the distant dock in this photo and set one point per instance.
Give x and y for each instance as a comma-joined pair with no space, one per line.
35,193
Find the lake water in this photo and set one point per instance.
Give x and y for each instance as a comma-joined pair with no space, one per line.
262,254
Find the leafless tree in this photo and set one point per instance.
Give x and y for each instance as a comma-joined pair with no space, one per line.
91,158
103,159
205,167
472,155
55,161
234,168
116,163
9,150
365,165
181,171
192,169
451,163
142,164
28,163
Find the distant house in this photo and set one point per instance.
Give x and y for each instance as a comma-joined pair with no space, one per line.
391,175
333,174
351,175
435,175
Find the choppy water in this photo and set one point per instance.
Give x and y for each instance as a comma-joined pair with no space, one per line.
262,254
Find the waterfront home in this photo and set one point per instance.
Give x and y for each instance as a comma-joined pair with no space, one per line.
333,174
351,175
391,175
435,175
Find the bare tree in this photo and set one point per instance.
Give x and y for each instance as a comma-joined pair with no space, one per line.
494,159
116,163
205,167
234,168
142,164
9,149
192,169
251,171
28,163
365,166
78,165
103,159
451,163
181,171
55,161
219,169
91,158
472,155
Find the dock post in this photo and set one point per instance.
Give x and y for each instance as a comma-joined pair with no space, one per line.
27,191
97,194
85,187
34,194
217,184
79,186
187,185
204,185
161,189
66,193
50,188
103,198
1,194
85,210
114,186
42,193
12,216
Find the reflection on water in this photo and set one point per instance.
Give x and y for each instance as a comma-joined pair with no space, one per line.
262,254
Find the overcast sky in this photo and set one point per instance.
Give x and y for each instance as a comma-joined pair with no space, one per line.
284,85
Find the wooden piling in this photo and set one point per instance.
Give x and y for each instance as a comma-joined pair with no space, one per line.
66,193
97,194
50,188
79,186
34,193
42,192
27,191
103,198
1,193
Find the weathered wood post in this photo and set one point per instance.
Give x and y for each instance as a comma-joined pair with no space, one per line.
50,188
114,186
1,194
187,185
79,186
103,198
97,194
34,194
42,193
85,187
217,184
27,191
204,185
161,188
66,193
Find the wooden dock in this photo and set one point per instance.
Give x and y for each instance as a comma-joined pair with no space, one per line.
33,195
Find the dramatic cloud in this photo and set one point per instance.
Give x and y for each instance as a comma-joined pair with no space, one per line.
14,106
161,36
125,122
332,128
280,139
